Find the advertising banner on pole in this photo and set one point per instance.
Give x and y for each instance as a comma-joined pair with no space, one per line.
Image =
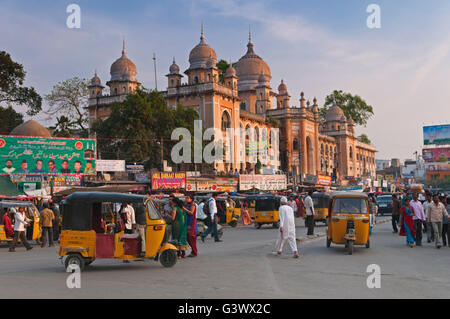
436,134
262,182
47,156
436,154
161,181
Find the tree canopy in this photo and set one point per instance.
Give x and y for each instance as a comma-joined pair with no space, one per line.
9,119
12,91
354,107
364,139
135,128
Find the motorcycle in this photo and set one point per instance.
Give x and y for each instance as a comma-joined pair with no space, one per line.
201,227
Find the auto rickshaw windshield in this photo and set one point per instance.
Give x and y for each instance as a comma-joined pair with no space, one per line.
350,206
266,204
321,202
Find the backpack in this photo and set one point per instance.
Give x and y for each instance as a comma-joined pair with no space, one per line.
206,208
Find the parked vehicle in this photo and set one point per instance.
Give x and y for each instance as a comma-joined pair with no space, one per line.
266,209
384,205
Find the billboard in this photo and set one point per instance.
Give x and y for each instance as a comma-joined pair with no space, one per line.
219,184
262,182
324,180
44,156
437,167
436,134
168,181
436,154
110,165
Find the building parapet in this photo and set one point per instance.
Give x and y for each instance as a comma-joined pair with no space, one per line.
252,116
201,88
106,99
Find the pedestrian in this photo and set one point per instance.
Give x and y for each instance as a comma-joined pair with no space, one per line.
179,227
300,207
287,228
236,173
141,226
129,217
293,204
191,210
57,222
309,206
419,218
437,211
426,204
245,216
167,214
46,221
396,205
407,223
445,222
7,224
212,211
230,172
200,214
20,221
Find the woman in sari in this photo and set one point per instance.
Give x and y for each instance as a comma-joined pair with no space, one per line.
245,216
407,223
191,211
179,227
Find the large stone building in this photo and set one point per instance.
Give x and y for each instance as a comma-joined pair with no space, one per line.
245,99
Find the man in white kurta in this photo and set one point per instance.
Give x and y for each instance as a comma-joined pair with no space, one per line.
287,228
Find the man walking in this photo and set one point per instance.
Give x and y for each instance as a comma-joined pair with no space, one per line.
46,222
309,206
287,228
212,212
396,205
56,223
436,212
20,221
418,218
293,204
426,204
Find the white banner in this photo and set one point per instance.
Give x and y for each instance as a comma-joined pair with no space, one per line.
262,182
110,165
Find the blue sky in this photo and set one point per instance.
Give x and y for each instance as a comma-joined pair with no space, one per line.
401,69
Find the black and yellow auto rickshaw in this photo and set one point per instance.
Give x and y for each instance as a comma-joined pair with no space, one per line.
266,209
348,220
31,213
85,235
321,202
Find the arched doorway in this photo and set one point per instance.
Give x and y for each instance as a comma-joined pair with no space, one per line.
309,156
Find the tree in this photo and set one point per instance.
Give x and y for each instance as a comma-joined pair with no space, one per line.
222,65
135,128
9,119
70,98
64,127
12,76
354,107
364,139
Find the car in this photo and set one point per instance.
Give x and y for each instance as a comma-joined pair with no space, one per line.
384,205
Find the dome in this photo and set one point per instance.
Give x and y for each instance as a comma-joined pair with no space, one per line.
30,128
249,67
282,88
123,69
350,121
334,113
231,71
174,68
201,53
95,81
343,119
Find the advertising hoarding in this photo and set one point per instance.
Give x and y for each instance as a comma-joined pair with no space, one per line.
436,154
219,184
110,165
436,134
168,181
437,167
262,182
324,180
39,155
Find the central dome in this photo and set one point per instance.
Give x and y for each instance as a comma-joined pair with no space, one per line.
123,69
201,54
334,113
249,69
30,128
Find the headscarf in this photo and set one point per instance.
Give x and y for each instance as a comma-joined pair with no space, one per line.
283,200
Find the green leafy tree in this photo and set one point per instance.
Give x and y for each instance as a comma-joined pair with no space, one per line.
9,119
364,139
12,91
222,65
70,98
64,127
354,107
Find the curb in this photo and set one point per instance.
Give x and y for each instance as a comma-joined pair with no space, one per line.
306,238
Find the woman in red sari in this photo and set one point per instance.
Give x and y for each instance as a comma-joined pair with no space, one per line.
407,223
9,230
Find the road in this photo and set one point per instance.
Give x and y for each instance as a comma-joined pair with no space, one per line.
243,266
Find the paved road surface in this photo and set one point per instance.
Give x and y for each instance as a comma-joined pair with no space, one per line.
243,266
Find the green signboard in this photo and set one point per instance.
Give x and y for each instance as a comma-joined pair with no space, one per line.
38,155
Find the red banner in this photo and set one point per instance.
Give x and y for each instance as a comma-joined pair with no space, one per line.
168,181
436,154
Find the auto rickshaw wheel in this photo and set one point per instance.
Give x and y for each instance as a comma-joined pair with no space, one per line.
74,259
276,225
168,257
233,223
328,242
368,243
350,247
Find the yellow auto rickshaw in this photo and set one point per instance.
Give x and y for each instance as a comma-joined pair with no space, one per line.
266,209
86,236
31,213
348,220
321,202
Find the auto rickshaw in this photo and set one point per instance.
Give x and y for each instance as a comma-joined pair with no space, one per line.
321,202
85,235
266,209
31,212
348,220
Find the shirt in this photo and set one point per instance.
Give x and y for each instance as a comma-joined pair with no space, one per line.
425,207
418,210
396,206
200,214
212,208
9,170
436,212
129,213
293,205
46,218
20,221
309,205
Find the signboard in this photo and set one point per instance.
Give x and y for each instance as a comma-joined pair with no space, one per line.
262,182
110,165
39,155
134,167
324,180
436,134
168,180
142,177
436,154
379,177
389,177
220,184
437,167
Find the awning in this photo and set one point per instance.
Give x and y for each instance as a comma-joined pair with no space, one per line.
8,189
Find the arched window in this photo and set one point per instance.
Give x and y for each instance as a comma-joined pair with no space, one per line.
326,150
260,96
196,79
295,144
351,152
226,121
124,89
321,149
171,82
242,106
115,90
209,77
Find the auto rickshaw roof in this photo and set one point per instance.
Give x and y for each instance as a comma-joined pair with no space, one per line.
348,194
322,194
15,203
262,196
104,197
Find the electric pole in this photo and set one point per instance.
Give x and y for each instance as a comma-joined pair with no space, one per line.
154,64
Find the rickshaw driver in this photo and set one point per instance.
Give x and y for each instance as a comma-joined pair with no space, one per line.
141,225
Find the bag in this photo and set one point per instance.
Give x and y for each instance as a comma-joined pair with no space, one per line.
206,209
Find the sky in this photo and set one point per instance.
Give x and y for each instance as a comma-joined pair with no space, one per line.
401,69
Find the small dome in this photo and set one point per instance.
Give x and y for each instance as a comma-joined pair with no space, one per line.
343,119
123,68
201,53
174,68
95,81
282,88
334,113
30,128
231,71
350,121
